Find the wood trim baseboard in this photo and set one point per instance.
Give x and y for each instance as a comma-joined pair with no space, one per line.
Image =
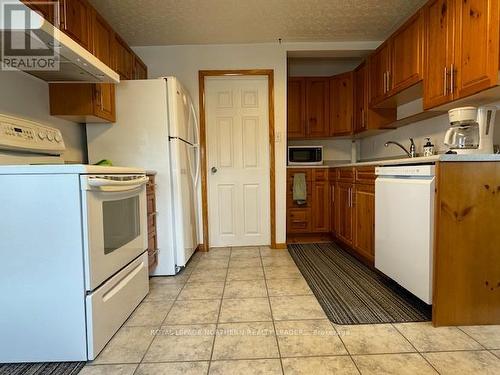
279,246
202,74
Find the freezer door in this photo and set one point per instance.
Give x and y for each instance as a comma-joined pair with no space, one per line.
184,199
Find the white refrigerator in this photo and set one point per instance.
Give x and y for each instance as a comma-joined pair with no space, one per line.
156,128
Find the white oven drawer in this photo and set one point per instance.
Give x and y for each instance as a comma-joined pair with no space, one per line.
110,305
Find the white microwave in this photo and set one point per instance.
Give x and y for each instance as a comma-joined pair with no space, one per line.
305,155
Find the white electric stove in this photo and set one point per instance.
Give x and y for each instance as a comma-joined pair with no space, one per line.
73,242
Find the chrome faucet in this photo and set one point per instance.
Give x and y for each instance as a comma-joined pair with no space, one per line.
413,150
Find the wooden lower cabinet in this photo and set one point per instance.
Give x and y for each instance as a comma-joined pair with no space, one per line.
364,220
313,217
344,216
152,232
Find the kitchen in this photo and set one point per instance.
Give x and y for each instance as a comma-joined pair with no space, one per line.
232,287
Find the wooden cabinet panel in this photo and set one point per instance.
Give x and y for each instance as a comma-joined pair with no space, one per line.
477,46
466,258
299,220
140,69
439,52
296,108
83,102
365,175
317,107
344,209
104,102
341,104
42,7
360,85
379,68
103,36
76,21
333,207
407,54
345,174
123,59
363,202
320,207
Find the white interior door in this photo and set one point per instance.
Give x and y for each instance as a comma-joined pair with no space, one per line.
238,160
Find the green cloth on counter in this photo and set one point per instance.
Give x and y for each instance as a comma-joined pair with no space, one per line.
299,188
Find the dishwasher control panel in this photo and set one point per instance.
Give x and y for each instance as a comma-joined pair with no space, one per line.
426,170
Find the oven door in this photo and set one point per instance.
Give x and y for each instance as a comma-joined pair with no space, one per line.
115,224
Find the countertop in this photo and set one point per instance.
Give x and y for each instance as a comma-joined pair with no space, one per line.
404,161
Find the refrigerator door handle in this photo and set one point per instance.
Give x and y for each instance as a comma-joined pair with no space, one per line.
197,166
196,125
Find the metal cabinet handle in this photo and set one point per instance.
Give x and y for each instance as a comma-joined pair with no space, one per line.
452,79
385,82
445,81
388,81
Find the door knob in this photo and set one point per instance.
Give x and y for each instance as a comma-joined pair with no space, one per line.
214,170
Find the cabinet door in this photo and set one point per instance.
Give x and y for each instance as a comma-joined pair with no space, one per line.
299,220
296,108
364,220
320,207
103,36
341,104
76,21
123,59
140,69
360,98
42,7
379,67
407,54
439,51
333,208
345,212
104,102
477,46
317,104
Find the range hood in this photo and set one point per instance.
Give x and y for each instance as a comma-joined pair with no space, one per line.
76,64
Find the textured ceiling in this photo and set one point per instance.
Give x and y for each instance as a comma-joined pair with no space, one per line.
170,22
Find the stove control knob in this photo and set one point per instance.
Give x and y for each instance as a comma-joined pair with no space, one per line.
42,135
58,138
50,137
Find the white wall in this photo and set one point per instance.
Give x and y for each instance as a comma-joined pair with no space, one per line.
435,128
22,95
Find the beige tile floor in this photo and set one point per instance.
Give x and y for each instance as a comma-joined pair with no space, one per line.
250,311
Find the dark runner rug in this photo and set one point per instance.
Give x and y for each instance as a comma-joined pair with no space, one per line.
54,368
352,293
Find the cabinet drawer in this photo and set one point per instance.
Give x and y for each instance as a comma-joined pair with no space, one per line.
299,220
345,174
320,174
365,175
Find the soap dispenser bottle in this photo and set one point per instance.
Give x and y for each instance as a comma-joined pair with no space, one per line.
428,148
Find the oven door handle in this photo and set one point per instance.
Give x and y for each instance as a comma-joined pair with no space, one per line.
104,184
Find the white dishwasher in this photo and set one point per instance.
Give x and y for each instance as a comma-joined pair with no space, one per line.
404,226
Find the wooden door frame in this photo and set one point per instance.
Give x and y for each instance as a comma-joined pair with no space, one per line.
202,74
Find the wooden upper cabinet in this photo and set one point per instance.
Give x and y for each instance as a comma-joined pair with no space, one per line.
341,104
379,73
360,83
317,107
123,59
407,54
477,46
42,7
296,107
103,36
140,69
76,21
439,51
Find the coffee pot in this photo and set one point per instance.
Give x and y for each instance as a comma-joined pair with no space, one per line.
471,130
